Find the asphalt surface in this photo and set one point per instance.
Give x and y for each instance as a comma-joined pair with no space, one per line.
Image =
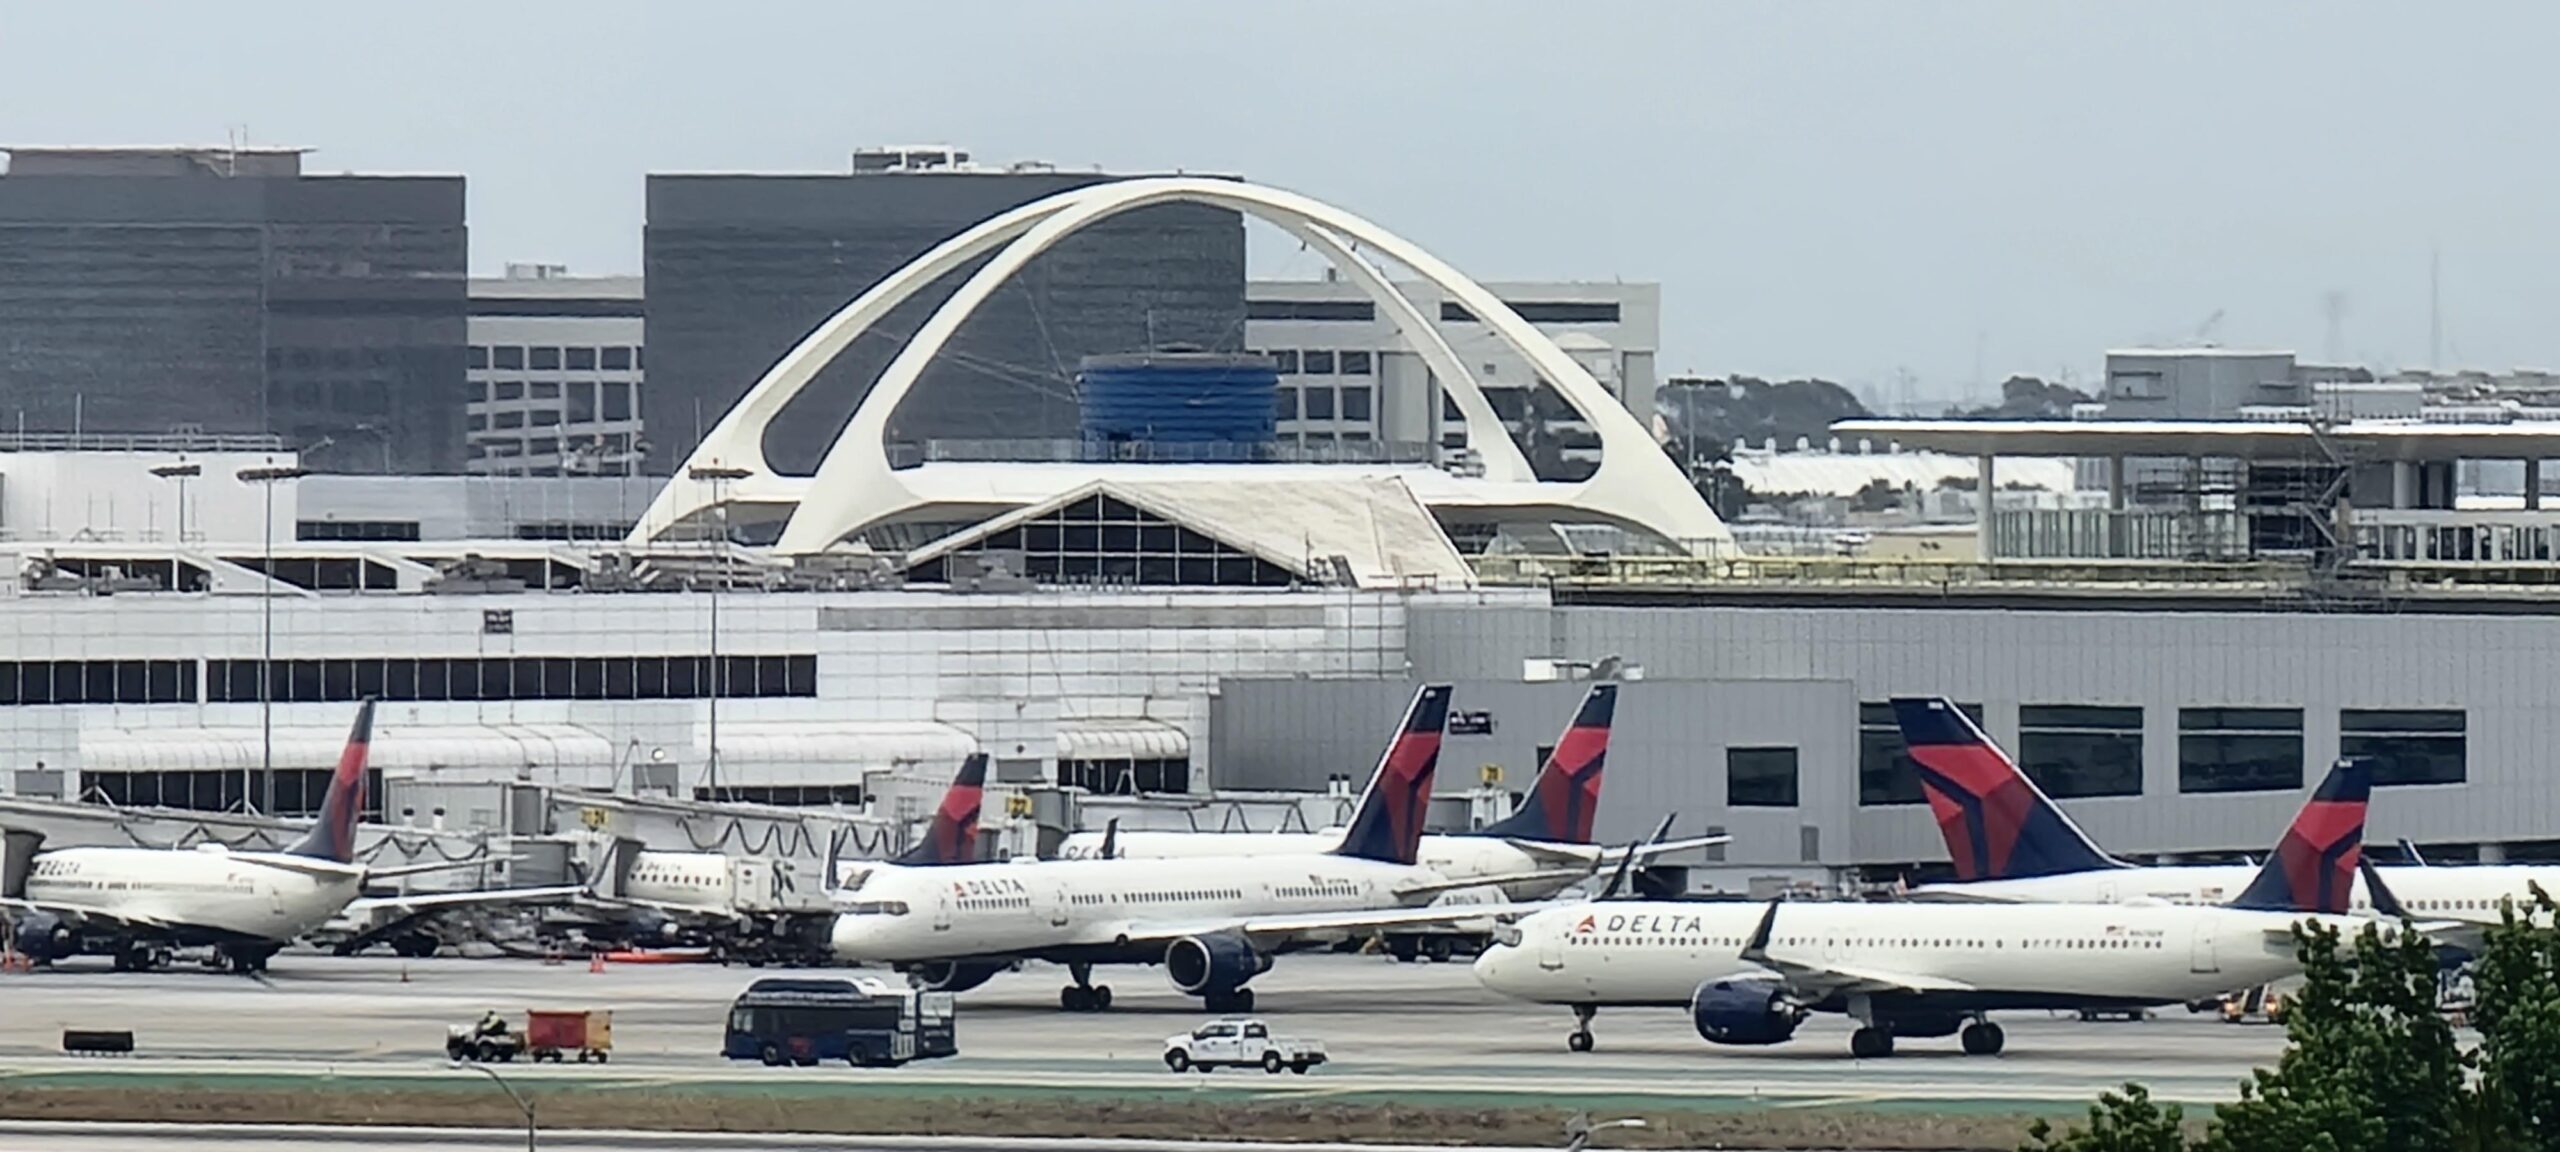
1409,1030
115,1137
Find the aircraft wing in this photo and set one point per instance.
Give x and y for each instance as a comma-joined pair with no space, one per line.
1437,887
1276,928
86,914
430,901
1815,980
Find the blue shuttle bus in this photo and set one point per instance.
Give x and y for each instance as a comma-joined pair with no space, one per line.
866,1022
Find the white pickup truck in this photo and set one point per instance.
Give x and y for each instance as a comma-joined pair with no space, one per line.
1240,1042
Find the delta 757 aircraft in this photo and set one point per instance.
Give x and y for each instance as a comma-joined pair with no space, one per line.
141,902
1925,970
1214,922
2011,842
752,908
1547,841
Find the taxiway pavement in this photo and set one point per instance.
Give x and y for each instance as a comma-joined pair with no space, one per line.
1401,1029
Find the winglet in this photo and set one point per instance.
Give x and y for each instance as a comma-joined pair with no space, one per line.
952,837
1387,825
2409,848
1562,802
1110,840
2314,867
1756,949
333,836
1998,825
2385,901
1618,879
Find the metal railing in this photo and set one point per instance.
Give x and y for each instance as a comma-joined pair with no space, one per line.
908,454
13,441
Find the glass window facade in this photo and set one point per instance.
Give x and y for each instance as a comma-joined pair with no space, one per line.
2239,749
1760,777
2408,745
258,302
2073,750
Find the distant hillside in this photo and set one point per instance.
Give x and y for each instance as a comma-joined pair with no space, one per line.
2028,398
1749,410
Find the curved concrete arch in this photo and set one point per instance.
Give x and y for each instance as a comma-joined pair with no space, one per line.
1635,485
738,439
1502,458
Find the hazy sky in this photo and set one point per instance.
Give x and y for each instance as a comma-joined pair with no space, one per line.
1852,190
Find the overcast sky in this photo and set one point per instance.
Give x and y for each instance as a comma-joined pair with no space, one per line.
1850,190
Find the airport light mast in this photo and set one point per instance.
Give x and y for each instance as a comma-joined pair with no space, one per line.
267,477
719,478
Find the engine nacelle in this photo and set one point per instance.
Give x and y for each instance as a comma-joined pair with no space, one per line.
1220,962
42,937
1744,1009
951,975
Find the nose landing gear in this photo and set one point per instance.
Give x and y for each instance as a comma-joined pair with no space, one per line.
1084,995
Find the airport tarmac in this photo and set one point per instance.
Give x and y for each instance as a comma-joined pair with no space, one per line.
1401,1029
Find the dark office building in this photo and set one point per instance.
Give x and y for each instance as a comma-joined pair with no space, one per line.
740,267
218,290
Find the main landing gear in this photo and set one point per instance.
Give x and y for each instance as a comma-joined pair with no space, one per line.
1084,995
245,959
141,958
1233,1000
1874,1040
1580,1038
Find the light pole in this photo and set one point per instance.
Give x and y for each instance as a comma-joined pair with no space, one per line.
719,478
531,1134
182,471
268,477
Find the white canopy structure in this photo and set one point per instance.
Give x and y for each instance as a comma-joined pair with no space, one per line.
855,489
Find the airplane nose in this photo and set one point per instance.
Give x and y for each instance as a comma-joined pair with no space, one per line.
1493,964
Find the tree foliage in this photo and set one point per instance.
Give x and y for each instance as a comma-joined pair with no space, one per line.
2373,1064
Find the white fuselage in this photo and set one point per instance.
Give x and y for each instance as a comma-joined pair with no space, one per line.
220,893
1652,953
904,915
2466,892
703,880
1455,857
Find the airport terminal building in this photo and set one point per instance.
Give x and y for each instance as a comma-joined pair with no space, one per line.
2177,665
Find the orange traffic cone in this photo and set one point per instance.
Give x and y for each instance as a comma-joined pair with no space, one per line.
595,962
404,973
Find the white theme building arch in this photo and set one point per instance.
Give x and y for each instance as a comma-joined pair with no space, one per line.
1636,485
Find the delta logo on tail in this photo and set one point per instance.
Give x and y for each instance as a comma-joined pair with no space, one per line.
2314,866
1998,825
1565,798
334,836
1388,824
952,837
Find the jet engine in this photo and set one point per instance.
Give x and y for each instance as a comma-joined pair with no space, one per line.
1219,962
951,975
45,937
1744,1009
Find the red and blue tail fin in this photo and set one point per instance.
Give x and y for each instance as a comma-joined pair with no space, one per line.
2314,866
334,837
1565,797
952,838
1388,824
1997,823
